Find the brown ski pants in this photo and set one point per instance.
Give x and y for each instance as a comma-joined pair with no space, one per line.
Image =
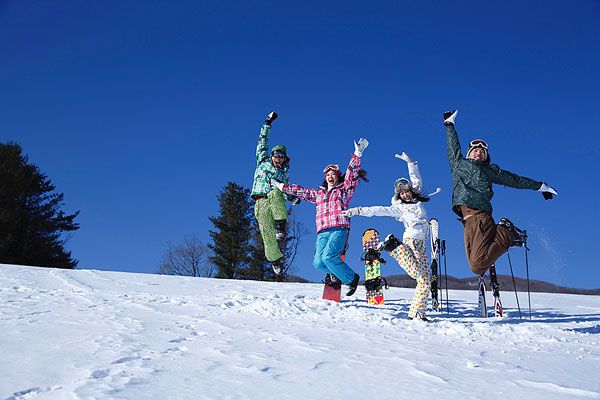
485,241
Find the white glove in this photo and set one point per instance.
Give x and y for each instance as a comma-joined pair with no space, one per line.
404,156
449,117
276,184
547,191
360,146
351,212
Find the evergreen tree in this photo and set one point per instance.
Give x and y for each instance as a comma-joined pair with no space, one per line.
31,220
231,238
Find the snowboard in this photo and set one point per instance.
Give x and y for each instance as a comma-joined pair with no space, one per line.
372,259
333,291
435,261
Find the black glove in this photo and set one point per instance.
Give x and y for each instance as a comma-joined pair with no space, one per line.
547,191
271,117
295,201
449,117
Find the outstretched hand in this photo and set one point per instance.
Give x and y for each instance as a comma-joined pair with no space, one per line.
351,212
547,191
276,184
449,117
403,156
360,146
271,117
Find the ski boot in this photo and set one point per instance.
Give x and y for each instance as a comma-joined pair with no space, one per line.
278,266
333,281
280,230
390,243
419,317
353,285
519,236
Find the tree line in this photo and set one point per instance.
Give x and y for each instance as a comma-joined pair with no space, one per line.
34,229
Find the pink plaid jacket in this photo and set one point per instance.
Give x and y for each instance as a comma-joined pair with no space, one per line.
330,204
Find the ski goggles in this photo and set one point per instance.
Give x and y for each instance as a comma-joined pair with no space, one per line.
278,154
402,184
479,143
331,167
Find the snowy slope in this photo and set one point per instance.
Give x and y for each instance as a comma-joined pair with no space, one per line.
106,335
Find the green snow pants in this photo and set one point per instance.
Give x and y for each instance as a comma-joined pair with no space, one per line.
267,210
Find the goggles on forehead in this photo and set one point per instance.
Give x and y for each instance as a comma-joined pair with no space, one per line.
331,167
479,143
402,184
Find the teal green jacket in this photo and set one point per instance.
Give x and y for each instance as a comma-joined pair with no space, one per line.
265,170
472,180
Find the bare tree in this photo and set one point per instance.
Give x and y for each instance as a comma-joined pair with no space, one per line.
295,232
188,258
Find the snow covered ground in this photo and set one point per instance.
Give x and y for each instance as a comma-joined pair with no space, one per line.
106,335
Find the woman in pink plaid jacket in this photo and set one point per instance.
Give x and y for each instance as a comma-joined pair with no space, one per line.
331,199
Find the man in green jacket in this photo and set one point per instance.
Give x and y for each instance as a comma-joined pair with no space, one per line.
472,179
270,209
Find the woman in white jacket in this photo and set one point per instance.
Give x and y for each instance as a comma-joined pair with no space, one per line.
407,207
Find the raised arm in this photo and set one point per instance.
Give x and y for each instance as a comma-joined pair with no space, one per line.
262,148
413,171
351,176
452,142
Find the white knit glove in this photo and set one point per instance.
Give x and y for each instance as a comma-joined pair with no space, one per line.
351,212
276,184
360,146
404,156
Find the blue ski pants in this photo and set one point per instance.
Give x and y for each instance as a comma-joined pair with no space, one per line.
331,243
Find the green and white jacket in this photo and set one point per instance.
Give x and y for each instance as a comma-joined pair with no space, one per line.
265,170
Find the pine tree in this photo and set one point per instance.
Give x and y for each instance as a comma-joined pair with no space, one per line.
32,223
231,238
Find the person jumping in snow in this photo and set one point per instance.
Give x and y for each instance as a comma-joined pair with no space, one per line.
472,179
332,198
408,208
270,209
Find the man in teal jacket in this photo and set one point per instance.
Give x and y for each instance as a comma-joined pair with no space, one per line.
270,209
472,179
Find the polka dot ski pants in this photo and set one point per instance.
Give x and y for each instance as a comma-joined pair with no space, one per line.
412,257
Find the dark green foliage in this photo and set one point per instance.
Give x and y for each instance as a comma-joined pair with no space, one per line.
233,230
238,250
31,220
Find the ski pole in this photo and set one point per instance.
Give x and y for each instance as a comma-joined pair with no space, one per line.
514,284
445,275
527,269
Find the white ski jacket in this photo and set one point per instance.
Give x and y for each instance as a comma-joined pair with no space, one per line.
412,215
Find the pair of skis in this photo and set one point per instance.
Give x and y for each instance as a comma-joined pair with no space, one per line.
498,312
435,288
434,241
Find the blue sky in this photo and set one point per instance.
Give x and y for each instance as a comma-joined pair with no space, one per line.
140,112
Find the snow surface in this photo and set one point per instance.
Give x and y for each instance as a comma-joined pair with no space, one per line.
107,335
